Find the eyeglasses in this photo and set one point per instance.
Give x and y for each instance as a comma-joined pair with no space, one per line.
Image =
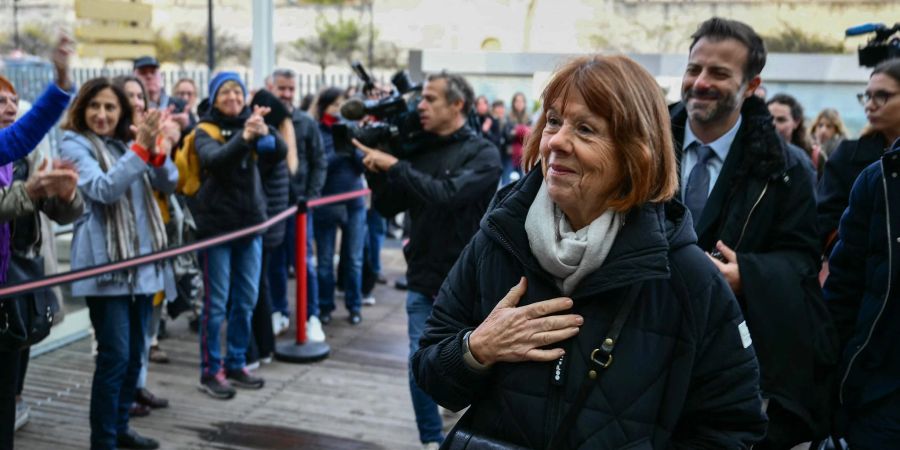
878,98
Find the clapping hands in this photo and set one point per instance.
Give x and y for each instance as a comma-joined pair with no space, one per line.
57,178
255,126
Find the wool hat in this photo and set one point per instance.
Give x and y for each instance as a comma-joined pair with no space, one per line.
217,81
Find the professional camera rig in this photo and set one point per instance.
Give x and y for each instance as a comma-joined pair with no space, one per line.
883,46
395,128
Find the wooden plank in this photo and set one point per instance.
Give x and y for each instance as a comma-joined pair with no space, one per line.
356,399
114,10
114,33
115,51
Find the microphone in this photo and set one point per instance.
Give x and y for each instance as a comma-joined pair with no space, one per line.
864,29
353,109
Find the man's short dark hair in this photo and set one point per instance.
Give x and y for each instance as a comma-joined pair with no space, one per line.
717,29
457,89
498,103
283,73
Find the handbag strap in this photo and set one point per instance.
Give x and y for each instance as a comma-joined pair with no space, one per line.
601,358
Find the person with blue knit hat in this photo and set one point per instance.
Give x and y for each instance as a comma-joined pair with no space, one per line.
231,197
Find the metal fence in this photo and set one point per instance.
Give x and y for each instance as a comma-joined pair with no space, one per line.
31,77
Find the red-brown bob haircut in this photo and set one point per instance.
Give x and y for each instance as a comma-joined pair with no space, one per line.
623,93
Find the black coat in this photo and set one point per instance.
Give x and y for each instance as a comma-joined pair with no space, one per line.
763,207
841,170
681,374
231,196
307,183
863,288
446,187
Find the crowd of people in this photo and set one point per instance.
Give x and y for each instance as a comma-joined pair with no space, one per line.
601,271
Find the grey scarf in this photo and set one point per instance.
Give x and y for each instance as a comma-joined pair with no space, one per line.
121,229
567,254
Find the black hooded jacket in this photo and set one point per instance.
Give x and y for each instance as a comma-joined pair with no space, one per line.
446,187
763,207
682,375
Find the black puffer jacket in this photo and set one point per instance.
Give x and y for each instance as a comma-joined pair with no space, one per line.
763,207
682,375
231,195
446,188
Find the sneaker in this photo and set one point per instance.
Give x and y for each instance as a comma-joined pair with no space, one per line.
244,379
314,331
355,318
23,414
130,439
368,300
217,386
266,359
252,365
276,323
431,446
285,323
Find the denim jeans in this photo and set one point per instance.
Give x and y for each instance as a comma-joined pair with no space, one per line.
282,258
152,331
507,163
352,221
428,419
377,227
120,327
233,267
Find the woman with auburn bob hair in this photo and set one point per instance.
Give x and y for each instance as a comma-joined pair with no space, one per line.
582,314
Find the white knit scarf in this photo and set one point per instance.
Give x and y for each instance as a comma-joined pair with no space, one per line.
567,254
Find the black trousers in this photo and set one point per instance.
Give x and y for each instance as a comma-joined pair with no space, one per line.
13,365
262,342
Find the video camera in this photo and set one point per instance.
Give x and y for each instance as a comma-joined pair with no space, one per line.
879,48
396,127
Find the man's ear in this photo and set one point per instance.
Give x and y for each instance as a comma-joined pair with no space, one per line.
752,85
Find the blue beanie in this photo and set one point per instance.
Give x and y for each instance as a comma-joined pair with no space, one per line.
217,81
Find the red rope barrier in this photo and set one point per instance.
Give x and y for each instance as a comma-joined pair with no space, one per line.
89,272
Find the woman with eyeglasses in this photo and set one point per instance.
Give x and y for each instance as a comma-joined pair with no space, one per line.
882,105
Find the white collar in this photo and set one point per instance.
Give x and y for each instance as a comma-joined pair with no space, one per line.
721,145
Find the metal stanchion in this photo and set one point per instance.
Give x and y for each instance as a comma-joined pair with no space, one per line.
301,351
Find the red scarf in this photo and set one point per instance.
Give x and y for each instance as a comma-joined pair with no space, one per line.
329,120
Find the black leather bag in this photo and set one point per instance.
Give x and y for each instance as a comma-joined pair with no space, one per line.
26,318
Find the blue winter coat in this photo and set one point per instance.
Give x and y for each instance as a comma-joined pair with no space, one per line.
20,138
99,189
863,287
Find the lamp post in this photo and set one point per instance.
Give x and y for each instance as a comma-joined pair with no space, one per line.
210,38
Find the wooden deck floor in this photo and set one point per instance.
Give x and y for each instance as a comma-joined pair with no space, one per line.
358,398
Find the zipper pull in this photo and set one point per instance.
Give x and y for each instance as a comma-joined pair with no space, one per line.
559,371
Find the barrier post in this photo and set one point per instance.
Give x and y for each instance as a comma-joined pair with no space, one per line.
301,351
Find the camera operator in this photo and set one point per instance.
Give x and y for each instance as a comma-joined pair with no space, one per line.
446,187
